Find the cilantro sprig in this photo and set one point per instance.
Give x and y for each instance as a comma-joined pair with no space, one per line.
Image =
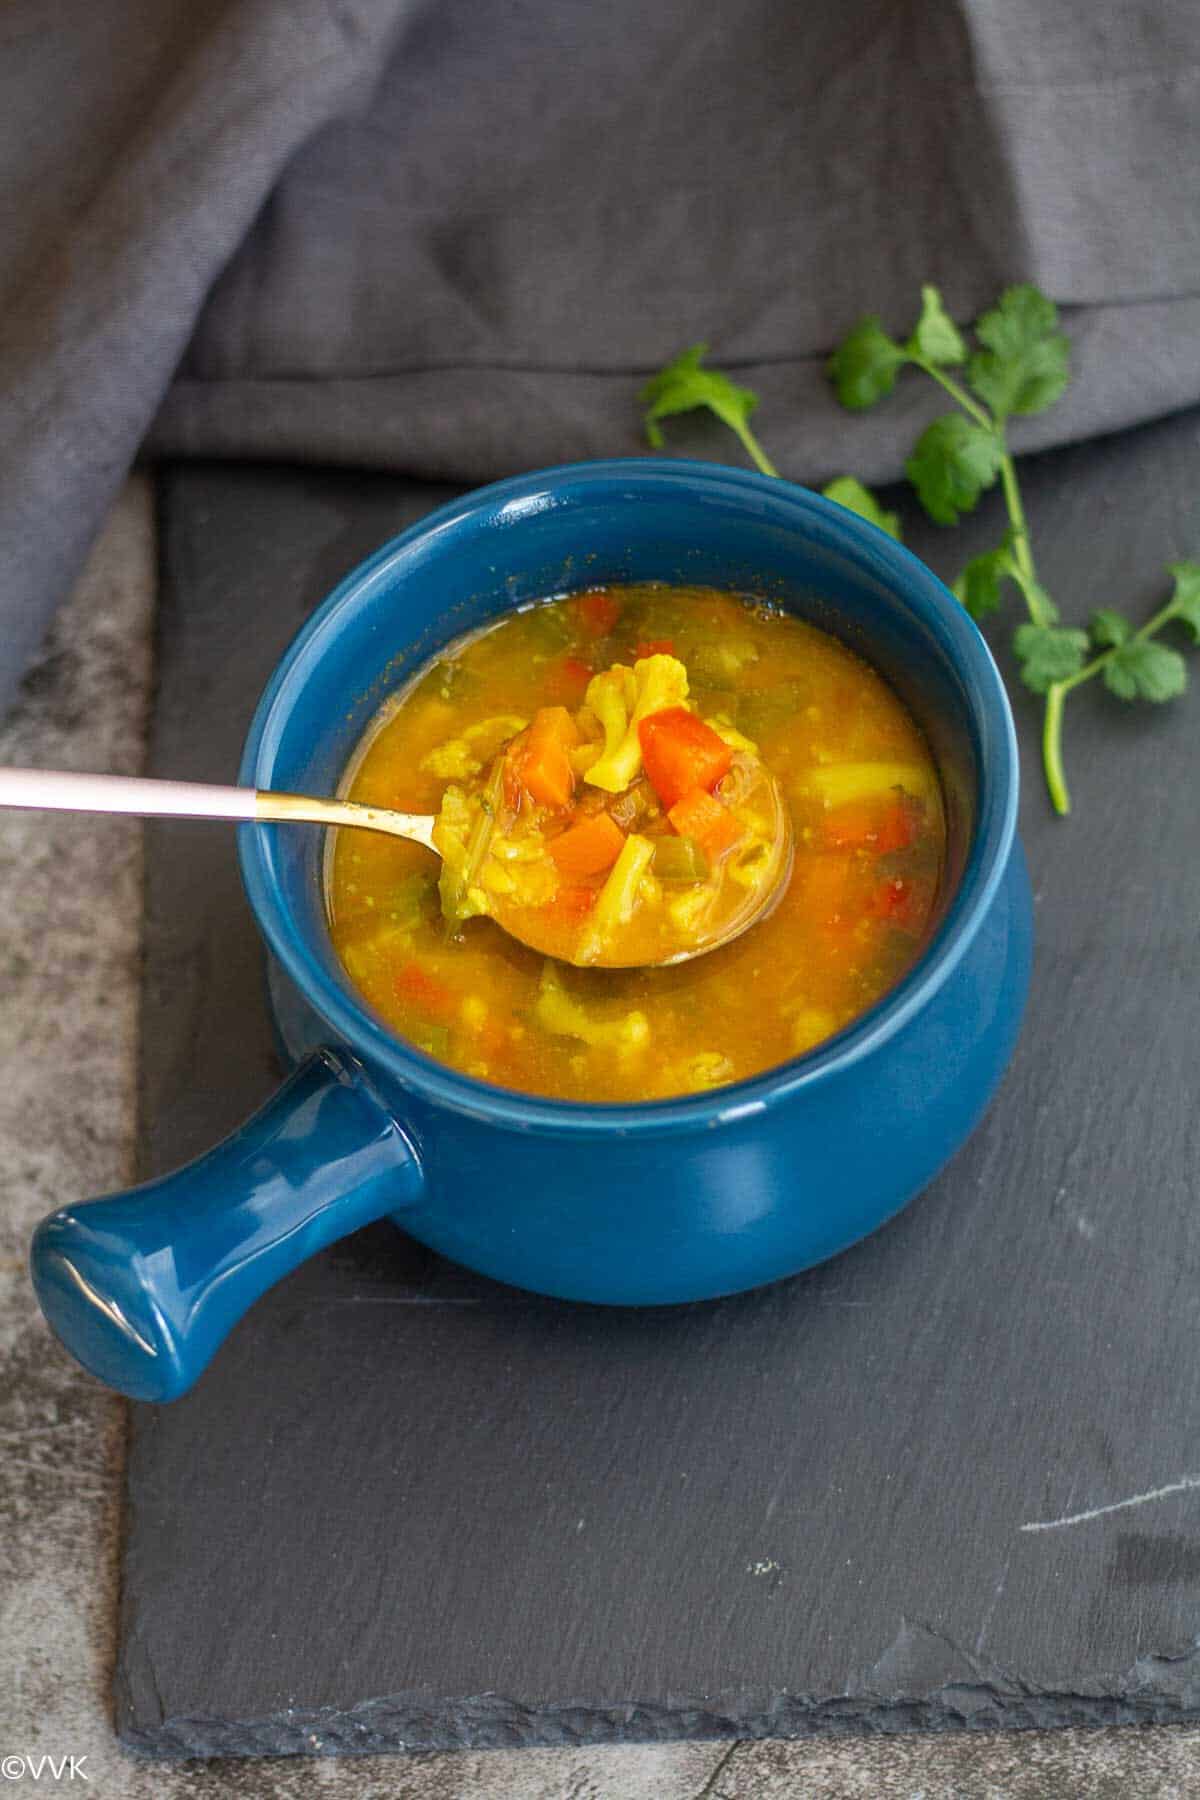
685,385
1019,364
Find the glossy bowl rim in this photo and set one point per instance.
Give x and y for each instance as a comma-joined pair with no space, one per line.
913,583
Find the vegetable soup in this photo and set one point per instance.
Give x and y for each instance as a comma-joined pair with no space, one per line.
607,770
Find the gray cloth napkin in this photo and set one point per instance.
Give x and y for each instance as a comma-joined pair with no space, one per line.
451,236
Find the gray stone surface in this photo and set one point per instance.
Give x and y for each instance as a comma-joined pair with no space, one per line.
68,953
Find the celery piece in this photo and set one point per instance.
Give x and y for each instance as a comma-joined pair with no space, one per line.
679,859
463,834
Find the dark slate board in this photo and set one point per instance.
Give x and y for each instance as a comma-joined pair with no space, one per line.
408,1507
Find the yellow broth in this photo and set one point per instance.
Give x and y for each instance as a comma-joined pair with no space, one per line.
856,775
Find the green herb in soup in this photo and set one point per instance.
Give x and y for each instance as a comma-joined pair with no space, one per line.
603,767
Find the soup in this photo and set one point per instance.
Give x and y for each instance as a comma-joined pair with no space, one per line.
621,832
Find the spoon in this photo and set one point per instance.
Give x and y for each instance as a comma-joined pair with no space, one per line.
65,791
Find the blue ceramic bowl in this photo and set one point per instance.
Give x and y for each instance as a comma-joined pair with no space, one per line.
668,1201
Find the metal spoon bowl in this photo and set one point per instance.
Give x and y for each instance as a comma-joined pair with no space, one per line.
56,790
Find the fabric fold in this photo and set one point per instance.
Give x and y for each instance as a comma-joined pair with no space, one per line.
449,237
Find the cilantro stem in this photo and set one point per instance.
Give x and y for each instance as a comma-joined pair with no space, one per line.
959,395
1056,695
1019,534
753,448
1052,763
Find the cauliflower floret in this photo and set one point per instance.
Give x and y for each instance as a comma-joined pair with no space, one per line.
687,910
461,757
556,1012
621,698
708,1068
611,697
523,883
454,761
737,740
811,1025
618,897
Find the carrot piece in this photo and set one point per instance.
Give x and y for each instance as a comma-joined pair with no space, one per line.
869,825
597,613
823,890
588,848
706,819
541,764
428,993
899,827
655,647
680,752
573,902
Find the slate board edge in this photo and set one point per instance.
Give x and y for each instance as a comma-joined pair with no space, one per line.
397,1725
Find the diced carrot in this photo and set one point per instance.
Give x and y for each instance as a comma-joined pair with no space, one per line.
655,647
869,825
573,902
899,826
428,993
597,613
540,758
706,819
823,888
680,752
589,847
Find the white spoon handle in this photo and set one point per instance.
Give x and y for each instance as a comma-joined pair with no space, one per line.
65,791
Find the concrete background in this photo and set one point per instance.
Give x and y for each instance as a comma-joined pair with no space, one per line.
69,947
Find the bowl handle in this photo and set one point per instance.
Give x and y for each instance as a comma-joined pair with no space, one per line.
143,1286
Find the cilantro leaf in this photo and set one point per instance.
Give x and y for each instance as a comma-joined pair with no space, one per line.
1186,599
952,462
978,586
864,366
937,339
1023,367
851,493
684,385
1049,653
1109,628
1144,670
